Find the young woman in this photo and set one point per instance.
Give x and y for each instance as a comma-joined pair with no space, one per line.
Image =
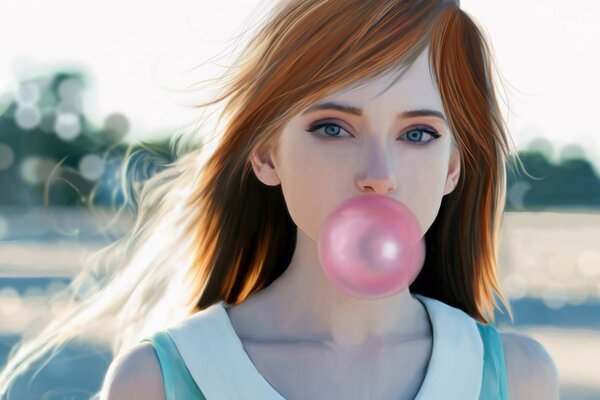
219,292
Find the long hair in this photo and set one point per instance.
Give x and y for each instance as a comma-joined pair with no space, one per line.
208,230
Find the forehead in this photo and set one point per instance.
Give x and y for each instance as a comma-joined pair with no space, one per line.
410,87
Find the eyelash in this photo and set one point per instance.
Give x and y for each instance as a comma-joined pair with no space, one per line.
433,133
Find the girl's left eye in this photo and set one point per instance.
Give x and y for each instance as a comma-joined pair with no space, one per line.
414,135
417,135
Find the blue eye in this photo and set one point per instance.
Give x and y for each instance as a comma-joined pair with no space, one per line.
331,130
414,135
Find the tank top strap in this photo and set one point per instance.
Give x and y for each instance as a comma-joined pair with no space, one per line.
494,382
177,380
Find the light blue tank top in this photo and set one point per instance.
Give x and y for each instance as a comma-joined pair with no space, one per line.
180,385
178,382
494,384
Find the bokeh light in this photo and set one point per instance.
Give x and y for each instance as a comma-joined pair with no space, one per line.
69,90
541,144
555,296
7,156
91,167
59,305
36,170
10,301
117,125
588,263
35,298
28,93
27,116
515,286
67,126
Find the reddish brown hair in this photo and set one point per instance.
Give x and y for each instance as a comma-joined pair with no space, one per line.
211,231
308,49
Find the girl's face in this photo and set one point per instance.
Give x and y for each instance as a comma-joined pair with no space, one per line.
374,138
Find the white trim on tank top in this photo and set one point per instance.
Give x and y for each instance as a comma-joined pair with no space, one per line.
218,363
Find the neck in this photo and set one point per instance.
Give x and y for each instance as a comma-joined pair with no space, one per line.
302,304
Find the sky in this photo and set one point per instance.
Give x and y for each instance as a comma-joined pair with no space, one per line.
141,57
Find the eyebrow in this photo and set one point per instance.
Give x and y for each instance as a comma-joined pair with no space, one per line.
358,112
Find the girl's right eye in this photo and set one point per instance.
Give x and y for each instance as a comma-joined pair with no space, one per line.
330,130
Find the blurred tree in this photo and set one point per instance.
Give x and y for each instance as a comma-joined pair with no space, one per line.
572,184
46,139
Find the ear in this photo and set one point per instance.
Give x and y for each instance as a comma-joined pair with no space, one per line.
264,168
453,170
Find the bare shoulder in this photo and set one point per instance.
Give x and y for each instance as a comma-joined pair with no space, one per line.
531,371
135,374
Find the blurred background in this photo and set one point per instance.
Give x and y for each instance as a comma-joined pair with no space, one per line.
83,84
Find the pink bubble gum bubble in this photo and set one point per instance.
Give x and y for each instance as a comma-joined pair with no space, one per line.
371,247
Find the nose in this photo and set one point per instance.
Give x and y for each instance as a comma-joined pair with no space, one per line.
379,176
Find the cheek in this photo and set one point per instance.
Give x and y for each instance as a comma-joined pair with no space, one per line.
309,179
421,188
